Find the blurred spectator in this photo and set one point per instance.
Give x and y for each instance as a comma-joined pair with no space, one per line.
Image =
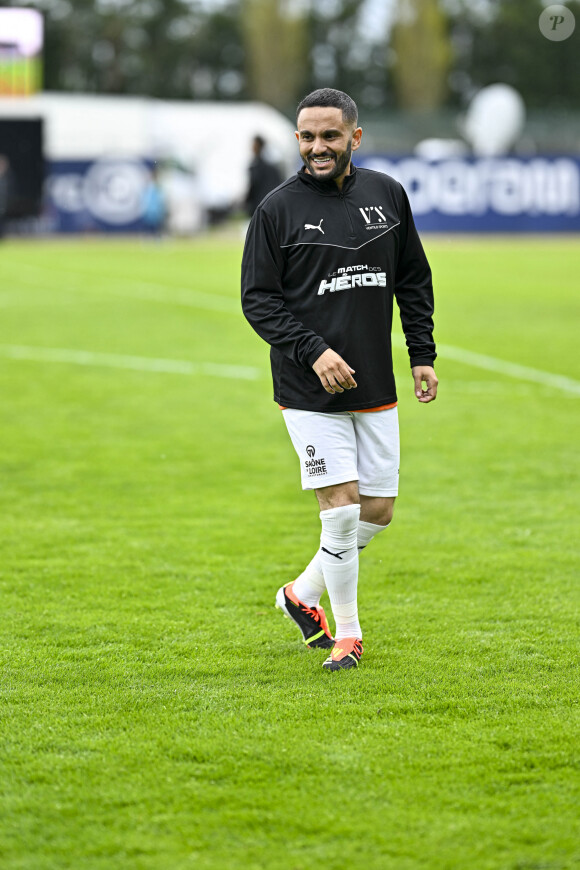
154,205
6,190
264,176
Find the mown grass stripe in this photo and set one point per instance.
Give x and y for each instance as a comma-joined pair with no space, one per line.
148,291
157,292
502,367
122,361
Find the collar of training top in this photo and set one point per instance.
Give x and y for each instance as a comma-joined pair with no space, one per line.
328,188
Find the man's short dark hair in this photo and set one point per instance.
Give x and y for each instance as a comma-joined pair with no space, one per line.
329,97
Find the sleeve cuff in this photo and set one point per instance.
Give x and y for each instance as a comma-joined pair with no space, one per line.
422,360
318,351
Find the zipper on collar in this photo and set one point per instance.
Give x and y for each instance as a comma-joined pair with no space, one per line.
327,188
343,200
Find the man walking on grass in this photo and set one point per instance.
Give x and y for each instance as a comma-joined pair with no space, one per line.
325,255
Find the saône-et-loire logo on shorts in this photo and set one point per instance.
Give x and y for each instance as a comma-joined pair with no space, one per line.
314,467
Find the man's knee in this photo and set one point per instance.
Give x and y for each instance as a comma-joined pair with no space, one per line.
339,495
377,510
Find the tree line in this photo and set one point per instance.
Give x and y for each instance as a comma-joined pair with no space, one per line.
431,54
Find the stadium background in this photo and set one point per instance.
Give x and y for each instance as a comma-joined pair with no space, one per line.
156,711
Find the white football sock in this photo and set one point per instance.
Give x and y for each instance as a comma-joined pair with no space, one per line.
339,561
310,585
366,532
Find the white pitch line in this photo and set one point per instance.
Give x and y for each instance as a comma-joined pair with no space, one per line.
148,291
502,367
121,361
250,373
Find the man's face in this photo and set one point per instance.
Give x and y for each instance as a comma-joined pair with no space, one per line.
326,142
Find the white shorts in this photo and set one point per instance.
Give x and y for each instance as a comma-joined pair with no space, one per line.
350,445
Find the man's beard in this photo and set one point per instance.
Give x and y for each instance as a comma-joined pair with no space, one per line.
340,166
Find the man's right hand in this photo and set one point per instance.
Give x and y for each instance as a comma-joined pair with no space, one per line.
335,375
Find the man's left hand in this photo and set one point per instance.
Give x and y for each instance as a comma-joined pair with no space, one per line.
425,375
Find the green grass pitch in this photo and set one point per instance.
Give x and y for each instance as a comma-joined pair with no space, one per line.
157,711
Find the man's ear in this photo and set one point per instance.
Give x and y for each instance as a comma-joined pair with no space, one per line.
356,138
297,134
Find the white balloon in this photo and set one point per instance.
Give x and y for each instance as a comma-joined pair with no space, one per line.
494,120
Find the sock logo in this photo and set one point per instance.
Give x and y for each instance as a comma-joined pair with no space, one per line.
336,555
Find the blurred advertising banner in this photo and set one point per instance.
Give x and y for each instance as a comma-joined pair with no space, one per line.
539,194
21,41
510,194
83,196
119,196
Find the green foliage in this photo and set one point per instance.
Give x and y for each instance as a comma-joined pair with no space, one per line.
344,56
422,54
507,46
157,712
277,50
172,49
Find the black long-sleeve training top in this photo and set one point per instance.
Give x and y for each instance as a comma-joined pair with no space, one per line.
320,269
